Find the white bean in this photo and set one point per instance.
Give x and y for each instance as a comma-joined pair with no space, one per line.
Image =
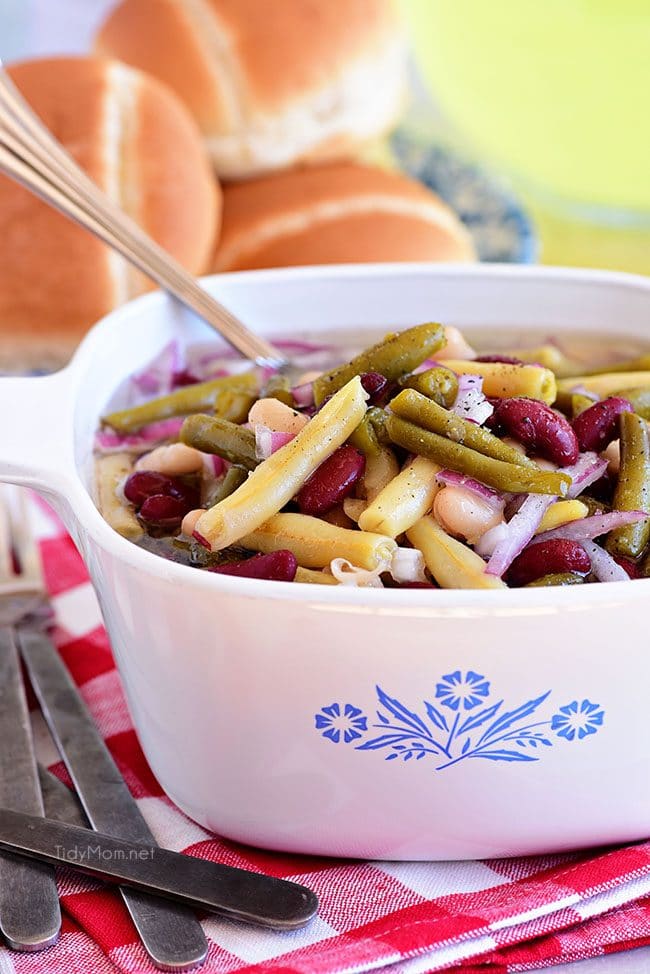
462,513
189,521
277,416
174,460
612,453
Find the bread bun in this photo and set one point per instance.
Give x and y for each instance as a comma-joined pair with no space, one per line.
336,214
137,141
270,84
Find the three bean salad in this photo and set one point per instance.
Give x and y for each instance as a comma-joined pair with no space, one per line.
419,464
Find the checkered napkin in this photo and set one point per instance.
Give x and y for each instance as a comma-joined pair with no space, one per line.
489,917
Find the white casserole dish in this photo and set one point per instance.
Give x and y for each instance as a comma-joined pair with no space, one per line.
238,688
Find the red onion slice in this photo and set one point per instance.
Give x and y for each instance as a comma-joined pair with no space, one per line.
587,469
586,528
504,542
407,565
107,441
157,379
470,403
455,479
303,395
267,441
603,565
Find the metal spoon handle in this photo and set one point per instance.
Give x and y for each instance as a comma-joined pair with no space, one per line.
30,917
32,156
233,893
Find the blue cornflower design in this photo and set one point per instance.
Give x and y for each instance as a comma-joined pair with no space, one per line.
333,722
456,690
581,719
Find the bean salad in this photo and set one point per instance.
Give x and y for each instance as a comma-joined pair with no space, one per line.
418,463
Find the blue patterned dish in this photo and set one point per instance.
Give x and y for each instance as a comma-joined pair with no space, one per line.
501,229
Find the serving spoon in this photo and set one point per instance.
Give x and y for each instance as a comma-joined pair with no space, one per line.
31,155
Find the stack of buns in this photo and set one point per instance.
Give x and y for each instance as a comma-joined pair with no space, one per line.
137,142
270,84
274,101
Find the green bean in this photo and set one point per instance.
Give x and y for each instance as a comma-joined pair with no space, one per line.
228,484
364,438
416,408
633,488
211,434
439,384
494,473
564,402
233,405
370,435
189,399
394,357
279,387
640,399
560,578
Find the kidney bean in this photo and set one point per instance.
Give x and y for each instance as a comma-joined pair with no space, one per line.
597,426
148,483
162,512
628,566
548,558
375,384
332,482
506,359
539,428
277,566
145,484
186,493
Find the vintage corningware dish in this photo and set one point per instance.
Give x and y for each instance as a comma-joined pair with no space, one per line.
391,724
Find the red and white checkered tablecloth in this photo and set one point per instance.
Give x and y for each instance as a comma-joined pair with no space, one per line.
489,917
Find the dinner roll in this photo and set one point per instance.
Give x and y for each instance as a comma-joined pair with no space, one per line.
333,214
270,83
137,141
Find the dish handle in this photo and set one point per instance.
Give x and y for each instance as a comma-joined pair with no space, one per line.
36,417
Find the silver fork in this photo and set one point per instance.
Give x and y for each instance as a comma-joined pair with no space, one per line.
170,933
30,916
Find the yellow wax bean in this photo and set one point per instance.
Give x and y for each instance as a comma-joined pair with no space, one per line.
276,480
314,577
110,473
549,356
381,468
316,543
504,381
606,384
452,564
562,512
403,501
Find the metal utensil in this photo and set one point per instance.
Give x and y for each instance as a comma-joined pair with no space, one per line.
30,154
30,916
234,893
170,933
59,802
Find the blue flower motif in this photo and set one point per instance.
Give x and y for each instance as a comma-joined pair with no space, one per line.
333,722
456,689
581,719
